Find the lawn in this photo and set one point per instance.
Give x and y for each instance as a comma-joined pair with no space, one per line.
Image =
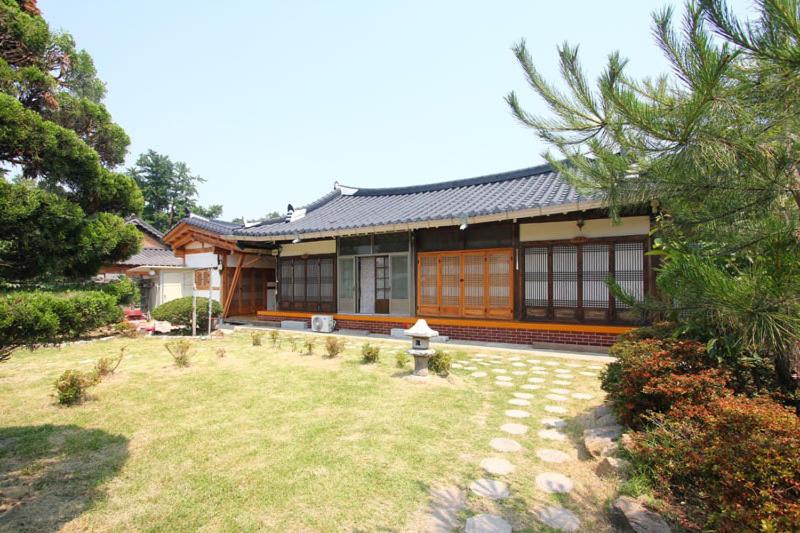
267,438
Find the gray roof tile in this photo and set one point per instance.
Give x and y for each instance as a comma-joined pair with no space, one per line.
530,188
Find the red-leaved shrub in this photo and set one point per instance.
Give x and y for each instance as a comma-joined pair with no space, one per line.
733,461
652,375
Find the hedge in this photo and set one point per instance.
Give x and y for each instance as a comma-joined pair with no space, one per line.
179,312
30,318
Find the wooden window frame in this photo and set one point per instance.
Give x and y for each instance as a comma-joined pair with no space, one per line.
202,279
614,315
459,310
300,301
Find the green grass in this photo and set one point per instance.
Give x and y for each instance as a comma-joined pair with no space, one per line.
263,438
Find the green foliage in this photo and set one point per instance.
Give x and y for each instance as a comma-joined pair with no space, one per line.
440,363
181,351
733,463
713,148
370,353
179,312
126,329
334,346
256,337
169,189
125,290
30,318
71,387
64,213
402,359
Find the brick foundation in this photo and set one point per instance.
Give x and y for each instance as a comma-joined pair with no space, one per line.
473,333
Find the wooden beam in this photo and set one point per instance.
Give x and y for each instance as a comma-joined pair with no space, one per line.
232,289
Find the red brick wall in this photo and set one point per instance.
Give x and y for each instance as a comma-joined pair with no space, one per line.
479,333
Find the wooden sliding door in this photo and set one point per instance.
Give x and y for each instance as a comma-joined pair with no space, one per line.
472,284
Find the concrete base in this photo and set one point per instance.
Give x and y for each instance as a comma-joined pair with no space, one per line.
296,325
397,333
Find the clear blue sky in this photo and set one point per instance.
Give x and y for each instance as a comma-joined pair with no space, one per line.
273,101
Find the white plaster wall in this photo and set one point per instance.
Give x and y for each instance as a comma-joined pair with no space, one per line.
309,248
205,260
592,229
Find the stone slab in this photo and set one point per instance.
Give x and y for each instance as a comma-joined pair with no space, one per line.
487,523
295,325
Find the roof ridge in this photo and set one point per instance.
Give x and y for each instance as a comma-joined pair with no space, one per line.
452,184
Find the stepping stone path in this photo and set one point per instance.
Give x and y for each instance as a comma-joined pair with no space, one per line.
503,384
518,413
590,374
505,445
558,382
551,456
582,396
556,397
562,371
490,488
534,361
519,372
552,434
514,429
536,380
499,370
457,365
554,482
497,466
573,365
523,395
539,372
559,518
519,401
560,391
515,358
553,422
555,409
487,523
470,368
517,364
528,386
505,378
479,374
552,363
540,368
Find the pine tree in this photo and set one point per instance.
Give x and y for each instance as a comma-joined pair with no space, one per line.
715,146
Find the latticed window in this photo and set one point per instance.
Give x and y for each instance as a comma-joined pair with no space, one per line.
307,284
477,283
568,281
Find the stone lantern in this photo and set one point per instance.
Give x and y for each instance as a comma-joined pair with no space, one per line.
421,336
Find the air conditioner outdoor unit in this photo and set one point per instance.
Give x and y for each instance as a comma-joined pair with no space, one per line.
322,323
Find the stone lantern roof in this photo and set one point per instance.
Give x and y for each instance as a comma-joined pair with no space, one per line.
421,330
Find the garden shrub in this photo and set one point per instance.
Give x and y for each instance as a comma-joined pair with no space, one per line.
440,363
652,375
220,352
179,312
126,329
180,350
402,359
734,461
31,318
370,354
71,386
256,337
274,337
308,345
124,290
334,346
107,365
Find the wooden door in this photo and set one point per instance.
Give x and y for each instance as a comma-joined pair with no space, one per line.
473,279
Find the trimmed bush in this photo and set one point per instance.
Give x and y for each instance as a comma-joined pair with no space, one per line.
274,337
124,290
402,359
370,354
734,461
308,345
651,375
180,351
71,386
334,346
179,312
256,337
440,363
31,318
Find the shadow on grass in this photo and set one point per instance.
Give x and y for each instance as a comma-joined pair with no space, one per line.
51,474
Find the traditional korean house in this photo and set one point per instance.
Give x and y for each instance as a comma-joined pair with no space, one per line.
515,257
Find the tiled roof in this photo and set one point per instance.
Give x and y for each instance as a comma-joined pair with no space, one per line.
145,226
349,208
153,257
215,226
